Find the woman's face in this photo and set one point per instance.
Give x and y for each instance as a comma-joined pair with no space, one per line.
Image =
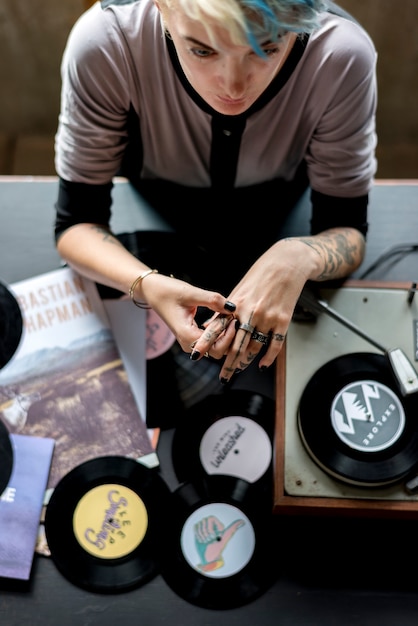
227,76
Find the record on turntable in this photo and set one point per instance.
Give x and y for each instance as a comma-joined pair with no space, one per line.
355,424
217,548
103,524
11,325
229,434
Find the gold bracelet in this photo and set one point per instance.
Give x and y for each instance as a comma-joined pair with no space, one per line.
136,282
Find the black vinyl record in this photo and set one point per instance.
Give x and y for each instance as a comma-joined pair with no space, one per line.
11,325
229,434
354,423
6,457
102,522
218,545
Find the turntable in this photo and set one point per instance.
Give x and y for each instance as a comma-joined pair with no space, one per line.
346,439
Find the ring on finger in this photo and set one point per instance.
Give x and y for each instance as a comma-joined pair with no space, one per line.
261,337
247,327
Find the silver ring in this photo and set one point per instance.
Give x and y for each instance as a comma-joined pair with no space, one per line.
278,337
261,337
247,327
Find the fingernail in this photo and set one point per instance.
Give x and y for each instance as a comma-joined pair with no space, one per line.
237,323
195,355
229,306
263,368
237,371
224,381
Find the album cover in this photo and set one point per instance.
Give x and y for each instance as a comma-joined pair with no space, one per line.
21,504
67,379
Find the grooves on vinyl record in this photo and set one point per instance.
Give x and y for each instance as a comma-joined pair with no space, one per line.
228,434
218,546
6,457
354,423
103,524
11,325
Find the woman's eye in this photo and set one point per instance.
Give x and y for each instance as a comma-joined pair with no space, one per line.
200,52
269,52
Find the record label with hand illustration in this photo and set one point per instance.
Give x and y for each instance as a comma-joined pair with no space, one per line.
218,546
229,434
355,424
102,524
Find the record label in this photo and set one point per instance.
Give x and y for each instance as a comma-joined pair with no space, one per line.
236,446
110,521
218,540
367,416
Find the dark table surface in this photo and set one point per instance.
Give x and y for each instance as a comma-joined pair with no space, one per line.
330,570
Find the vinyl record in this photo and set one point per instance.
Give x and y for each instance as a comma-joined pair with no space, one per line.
6,457
229,434
11,325
354,423
218,545
102,524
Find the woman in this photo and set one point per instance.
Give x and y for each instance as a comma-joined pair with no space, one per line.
221,112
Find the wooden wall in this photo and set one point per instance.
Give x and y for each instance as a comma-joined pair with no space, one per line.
33,35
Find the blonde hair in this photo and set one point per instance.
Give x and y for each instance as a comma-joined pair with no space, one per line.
246,20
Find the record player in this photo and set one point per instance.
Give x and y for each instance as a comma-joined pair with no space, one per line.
324,364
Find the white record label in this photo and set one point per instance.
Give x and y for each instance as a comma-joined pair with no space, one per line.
236,446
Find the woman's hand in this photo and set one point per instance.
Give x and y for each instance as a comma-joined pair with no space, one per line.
177,303
266,296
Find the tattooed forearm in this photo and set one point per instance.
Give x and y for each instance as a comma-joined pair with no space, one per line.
340,250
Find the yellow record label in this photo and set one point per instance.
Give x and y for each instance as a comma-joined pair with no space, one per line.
110,521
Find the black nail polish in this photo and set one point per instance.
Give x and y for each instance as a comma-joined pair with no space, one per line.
195,355
237,323
237,371
263,368
224,381
229,306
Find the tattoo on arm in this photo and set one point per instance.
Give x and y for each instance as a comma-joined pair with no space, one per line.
107,234
336,251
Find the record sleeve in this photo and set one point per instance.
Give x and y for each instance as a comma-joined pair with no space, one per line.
103,524
21,505
218,546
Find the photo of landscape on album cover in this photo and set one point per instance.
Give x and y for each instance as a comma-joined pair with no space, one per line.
67,380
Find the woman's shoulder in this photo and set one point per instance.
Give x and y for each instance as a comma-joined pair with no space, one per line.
113,22
341,38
